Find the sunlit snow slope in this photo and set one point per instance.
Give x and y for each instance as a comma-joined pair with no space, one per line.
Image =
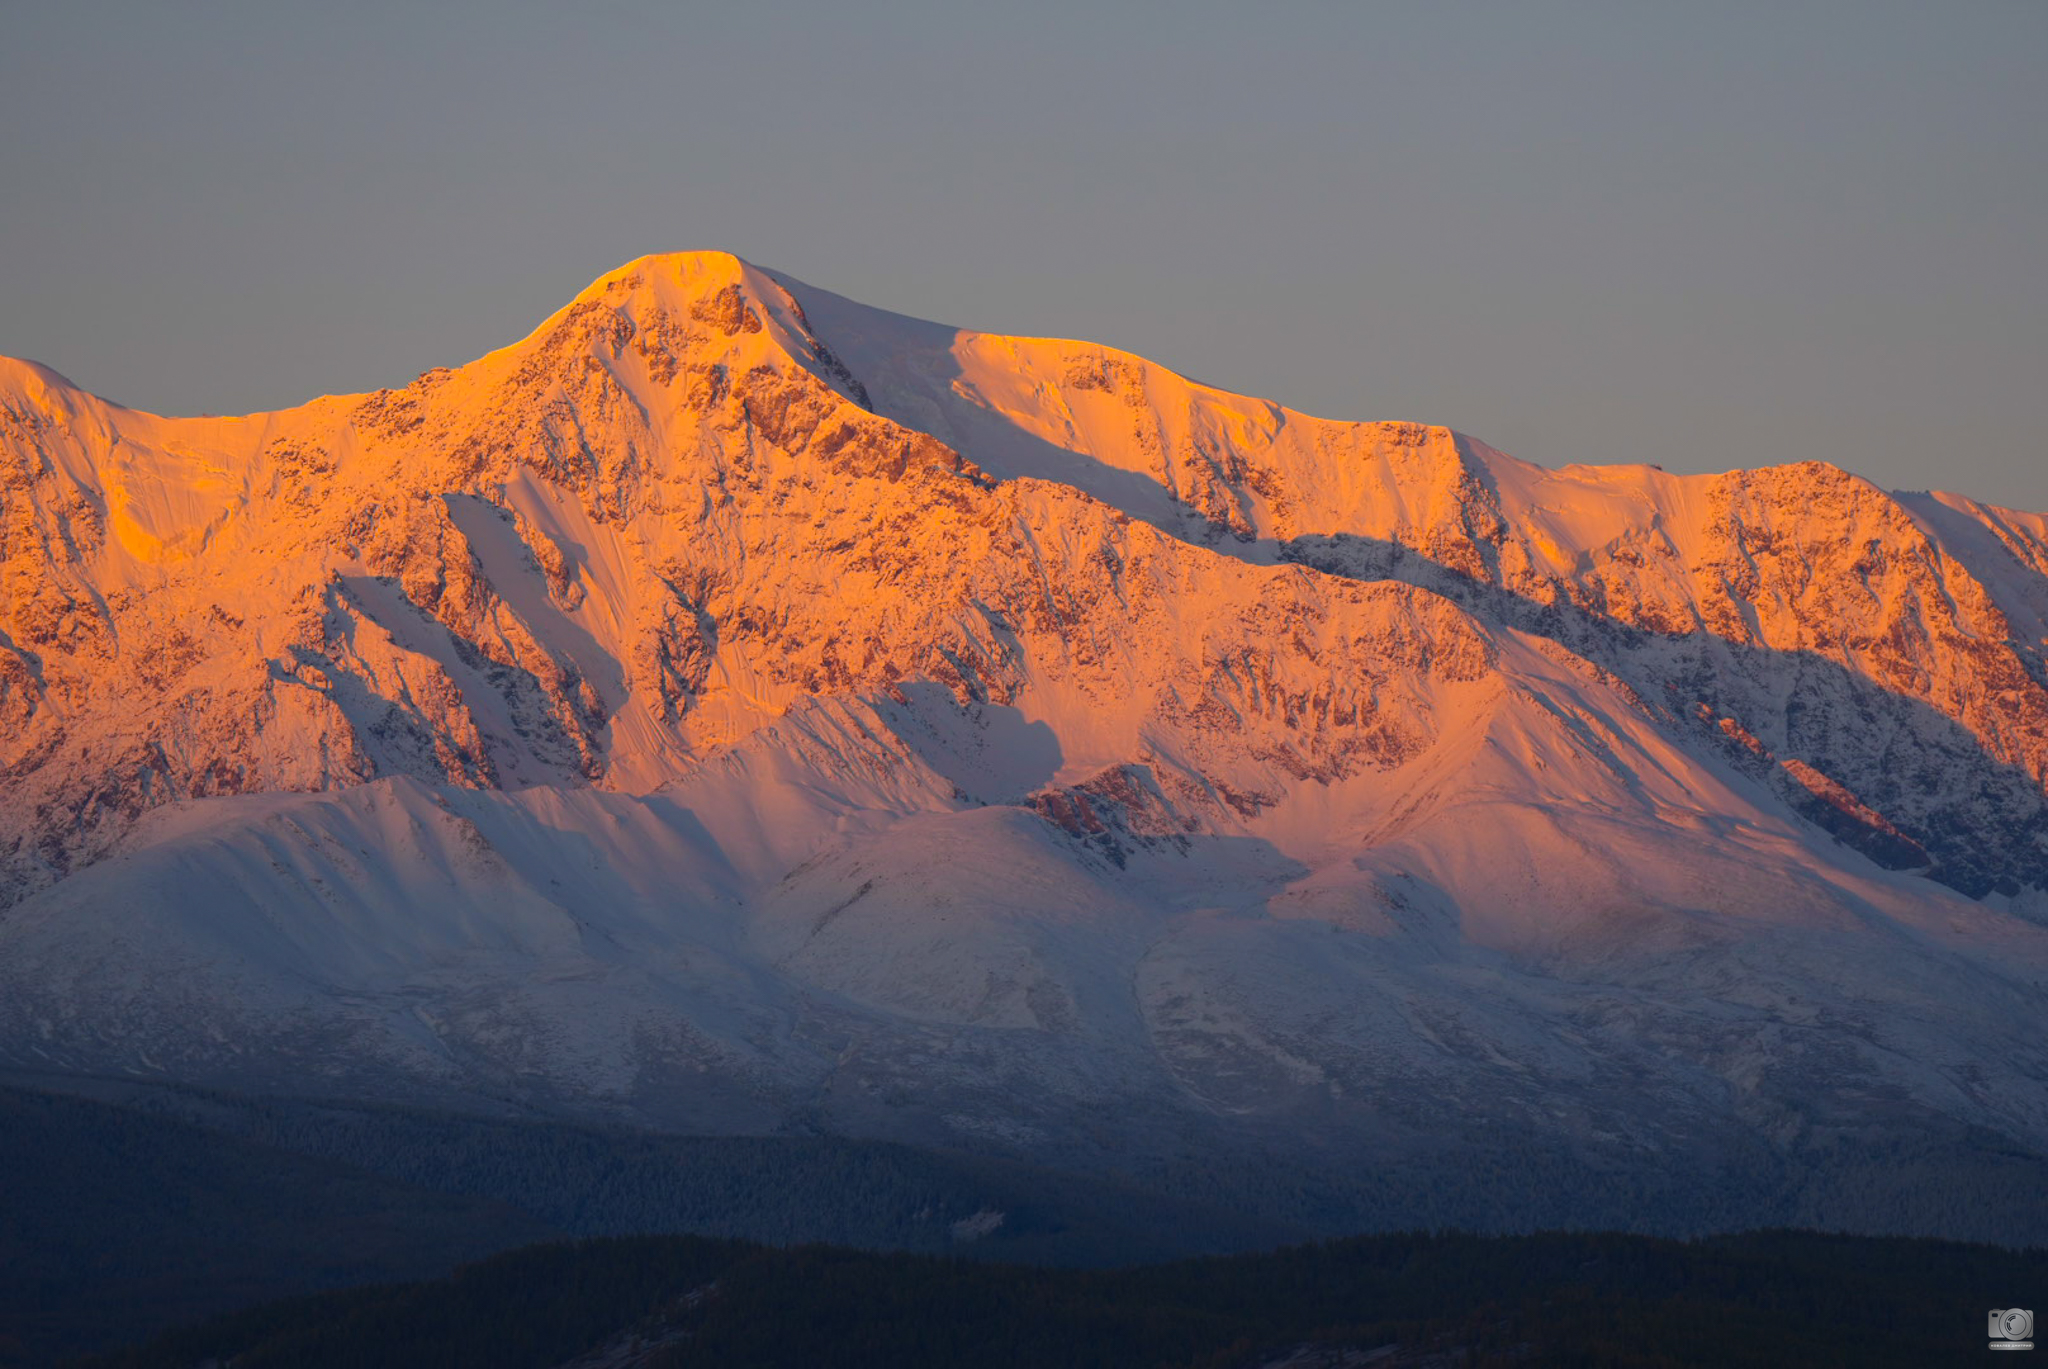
732,707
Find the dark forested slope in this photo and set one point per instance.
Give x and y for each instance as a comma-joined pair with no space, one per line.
1611,1300
114,1223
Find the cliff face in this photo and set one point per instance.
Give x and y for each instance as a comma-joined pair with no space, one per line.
980,683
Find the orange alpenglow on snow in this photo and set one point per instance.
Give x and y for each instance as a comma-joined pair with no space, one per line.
693,659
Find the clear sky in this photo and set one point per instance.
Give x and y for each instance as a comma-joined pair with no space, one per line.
1701,234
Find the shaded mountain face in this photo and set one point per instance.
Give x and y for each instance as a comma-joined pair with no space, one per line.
734,708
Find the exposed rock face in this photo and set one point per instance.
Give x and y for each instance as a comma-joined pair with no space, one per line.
730,700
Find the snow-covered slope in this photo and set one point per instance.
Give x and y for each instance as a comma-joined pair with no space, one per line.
733,707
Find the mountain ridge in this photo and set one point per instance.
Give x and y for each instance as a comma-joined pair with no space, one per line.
731,704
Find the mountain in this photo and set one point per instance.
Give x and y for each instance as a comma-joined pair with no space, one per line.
733,709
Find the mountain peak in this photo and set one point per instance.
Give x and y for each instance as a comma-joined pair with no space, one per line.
19,371
688,273
42,386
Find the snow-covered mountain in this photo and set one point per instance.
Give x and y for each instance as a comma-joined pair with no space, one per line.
735,708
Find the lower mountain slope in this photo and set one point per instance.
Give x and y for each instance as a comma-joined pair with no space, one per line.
115,1224
1764,1298
131,1208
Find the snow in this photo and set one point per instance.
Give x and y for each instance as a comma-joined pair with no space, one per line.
653,720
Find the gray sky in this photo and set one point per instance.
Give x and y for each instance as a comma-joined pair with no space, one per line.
1703,234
